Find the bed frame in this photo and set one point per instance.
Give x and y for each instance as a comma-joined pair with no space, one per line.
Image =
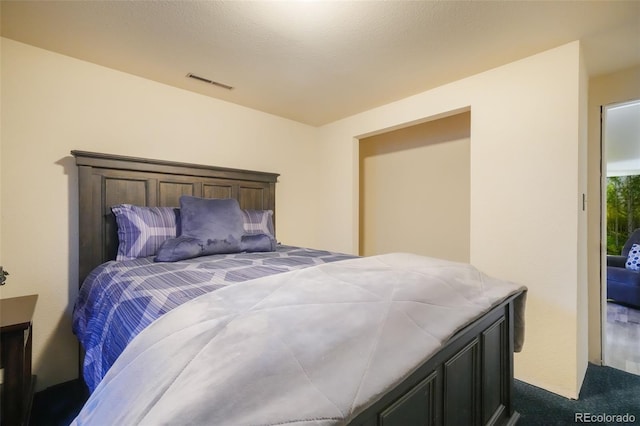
468,382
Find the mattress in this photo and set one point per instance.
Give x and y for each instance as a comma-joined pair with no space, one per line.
120,299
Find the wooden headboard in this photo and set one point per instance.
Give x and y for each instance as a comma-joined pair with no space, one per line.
105,180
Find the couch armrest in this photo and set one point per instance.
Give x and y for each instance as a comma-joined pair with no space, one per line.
617,261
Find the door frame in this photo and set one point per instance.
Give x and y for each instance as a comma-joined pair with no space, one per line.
603,225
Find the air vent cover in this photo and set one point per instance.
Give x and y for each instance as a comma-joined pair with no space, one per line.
206,80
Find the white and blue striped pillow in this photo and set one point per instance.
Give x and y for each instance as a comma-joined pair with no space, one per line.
258,222
141,230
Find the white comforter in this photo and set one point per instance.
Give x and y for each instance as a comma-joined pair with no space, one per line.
314,346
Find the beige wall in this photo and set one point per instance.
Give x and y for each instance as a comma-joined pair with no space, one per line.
525,193
604,90
53,104
414,190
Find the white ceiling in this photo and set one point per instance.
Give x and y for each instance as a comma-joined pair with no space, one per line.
319,61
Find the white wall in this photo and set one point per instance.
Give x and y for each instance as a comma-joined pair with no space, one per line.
52,104
525,142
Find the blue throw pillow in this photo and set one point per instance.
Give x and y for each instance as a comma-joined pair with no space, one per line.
209,226
179,248
141,230
633,259
217,222
258,242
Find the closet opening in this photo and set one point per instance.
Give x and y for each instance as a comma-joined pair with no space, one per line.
415,190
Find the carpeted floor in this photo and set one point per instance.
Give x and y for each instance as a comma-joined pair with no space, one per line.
59,404
605,392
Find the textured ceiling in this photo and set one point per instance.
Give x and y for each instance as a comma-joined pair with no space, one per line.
319,61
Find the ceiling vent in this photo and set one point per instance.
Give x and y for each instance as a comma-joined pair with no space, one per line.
206,80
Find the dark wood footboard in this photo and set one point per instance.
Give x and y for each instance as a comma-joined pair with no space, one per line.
468,382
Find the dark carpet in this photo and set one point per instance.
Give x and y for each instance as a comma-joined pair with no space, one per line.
607,395
58,405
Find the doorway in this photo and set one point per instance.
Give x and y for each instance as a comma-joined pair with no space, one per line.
621,216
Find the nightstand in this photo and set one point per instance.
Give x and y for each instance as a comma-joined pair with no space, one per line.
15,357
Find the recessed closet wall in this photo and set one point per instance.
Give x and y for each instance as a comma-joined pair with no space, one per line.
415,190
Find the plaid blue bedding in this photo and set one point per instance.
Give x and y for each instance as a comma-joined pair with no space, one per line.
119,299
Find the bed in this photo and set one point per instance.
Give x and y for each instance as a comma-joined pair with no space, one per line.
465,377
